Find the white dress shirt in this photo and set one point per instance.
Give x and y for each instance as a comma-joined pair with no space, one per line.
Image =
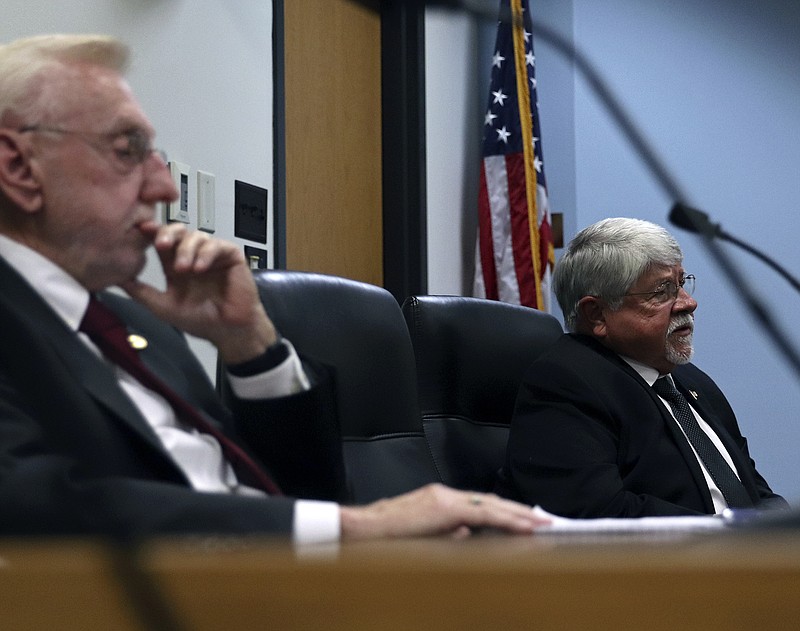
650,375
198,455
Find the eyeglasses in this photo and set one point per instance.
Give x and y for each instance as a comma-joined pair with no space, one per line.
131,147
668,290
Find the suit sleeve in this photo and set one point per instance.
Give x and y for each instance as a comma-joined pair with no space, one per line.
299,436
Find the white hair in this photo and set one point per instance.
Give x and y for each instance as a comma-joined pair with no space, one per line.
607,258
24,64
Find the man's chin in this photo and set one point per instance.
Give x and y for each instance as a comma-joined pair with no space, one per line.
679,356
117,273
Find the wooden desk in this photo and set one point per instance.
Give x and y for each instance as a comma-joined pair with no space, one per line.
706,582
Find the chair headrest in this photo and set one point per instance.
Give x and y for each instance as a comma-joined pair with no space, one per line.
357,329
472,353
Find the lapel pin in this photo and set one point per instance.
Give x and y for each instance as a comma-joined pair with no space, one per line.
692,392
137,342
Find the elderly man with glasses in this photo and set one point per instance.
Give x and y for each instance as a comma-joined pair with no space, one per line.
108,423
614,420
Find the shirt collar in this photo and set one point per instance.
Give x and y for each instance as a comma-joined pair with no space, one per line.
65,295
648,373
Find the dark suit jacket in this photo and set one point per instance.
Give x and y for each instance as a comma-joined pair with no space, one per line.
590,438
76,456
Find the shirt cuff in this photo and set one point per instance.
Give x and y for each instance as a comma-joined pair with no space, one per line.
285,379
316,522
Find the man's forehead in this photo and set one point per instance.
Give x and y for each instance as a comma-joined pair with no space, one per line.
661,272
100,97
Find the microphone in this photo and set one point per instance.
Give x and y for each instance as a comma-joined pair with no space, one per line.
698,222
693,220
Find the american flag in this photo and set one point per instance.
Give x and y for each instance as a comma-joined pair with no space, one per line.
514,254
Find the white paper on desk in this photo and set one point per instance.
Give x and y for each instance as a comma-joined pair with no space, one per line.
629,525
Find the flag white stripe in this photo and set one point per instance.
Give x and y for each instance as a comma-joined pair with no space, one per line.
500,211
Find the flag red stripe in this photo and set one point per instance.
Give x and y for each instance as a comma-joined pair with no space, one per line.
520,229
486,238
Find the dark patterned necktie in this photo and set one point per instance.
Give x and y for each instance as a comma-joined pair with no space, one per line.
110,335
724,477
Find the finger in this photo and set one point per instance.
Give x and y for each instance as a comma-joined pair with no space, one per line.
462,532
198,252
214,253
181,250
166,235
145,294
192,250
494,511
165,241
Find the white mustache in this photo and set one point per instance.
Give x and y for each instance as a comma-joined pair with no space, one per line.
680,320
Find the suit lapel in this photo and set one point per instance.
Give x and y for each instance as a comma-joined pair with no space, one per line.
672,427
159,355
696,399
685,448
31,313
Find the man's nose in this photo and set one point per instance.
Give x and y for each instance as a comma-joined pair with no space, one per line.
684,302
158,185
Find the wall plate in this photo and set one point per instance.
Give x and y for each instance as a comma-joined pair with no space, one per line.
179,209
250,208
206,199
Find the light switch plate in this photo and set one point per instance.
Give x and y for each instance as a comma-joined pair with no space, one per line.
206,197
179,209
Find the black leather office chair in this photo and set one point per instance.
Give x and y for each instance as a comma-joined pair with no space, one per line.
471,355
358,331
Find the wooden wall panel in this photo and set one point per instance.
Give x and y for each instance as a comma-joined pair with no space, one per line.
333,138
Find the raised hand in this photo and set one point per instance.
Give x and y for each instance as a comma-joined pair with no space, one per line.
210,292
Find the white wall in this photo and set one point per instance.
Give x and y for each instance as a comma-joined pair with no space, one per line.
203,72
453,128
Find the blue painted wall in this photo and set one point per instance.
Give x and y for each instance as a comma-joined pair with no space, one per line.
714,85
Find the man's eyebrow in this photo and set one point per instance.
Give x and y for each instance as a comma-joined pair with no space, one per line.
671,276
126,126
668,278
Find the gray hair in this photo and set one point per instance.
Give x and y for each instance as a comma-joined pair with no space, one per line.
607,258
25,62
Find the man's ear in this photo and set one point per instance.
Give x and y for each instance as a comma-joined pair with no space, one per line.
18,180
592,316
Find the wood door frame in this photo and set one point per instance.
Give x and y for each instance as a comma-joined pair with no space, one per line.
405,269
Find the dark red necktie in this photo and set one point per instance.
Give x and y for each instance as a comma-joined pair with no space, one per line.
110,335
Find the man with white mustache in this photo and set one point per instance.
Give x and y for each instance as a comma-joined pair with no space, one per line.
595,433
